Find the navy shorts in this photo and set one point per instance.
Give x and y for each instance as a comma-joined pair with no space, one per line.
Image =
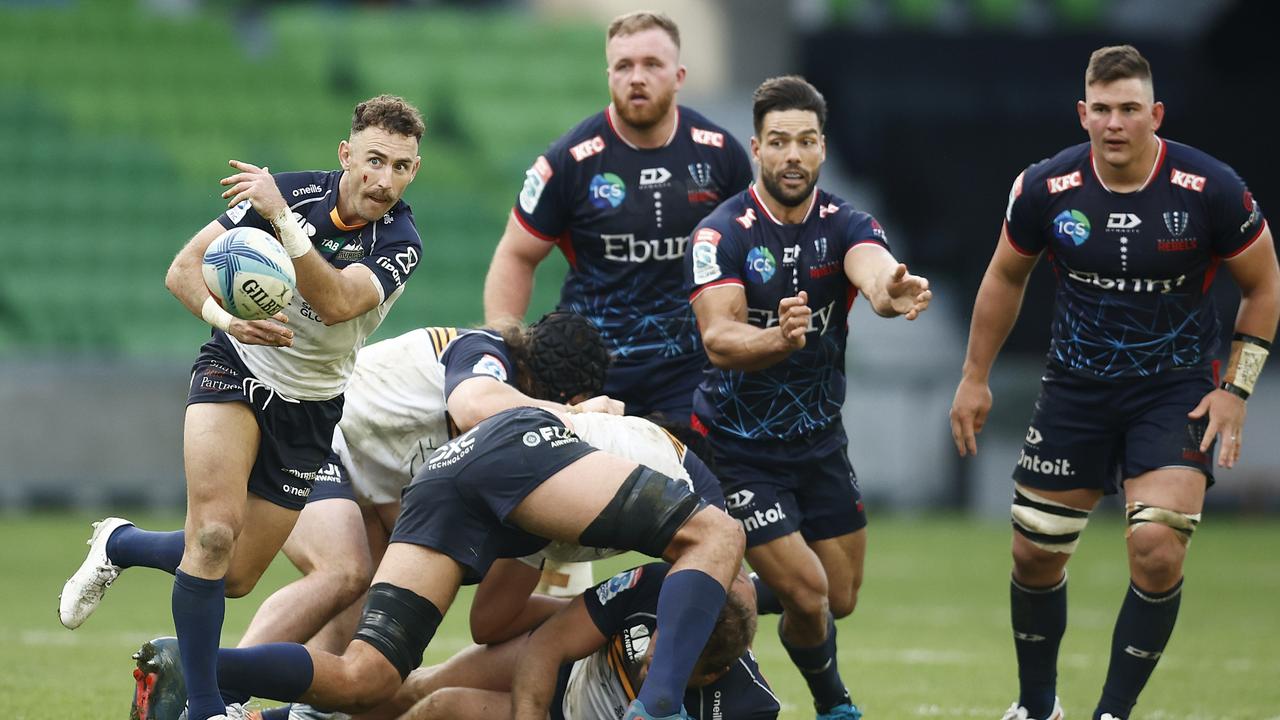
1089,433
777,487
331,482
662,385
296,435
459,500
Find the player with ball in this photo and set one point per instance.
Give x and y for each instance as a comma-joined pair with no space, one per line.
288,313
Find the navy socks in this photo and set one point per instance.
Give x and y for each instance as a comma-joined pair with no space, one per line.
688,606
1142,630
198,607
1039,620
129,547
276,671
818,666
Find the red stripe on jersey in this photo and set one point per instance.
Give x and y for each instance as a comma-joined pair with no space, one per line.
718,283
1249,244
1014,243
1209,273
531,229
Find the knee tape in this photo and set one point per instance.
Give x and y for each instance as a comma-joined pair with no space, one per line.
1183,524
1048,525
644,514
399,623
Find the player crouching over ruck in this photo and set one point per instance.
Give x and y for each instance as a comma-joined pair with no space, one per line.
503,490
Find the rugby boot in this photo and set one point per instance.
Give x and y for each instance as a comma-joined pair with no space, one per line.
82,593
302,711
1017,712
160,693
235,711
636,711
843,711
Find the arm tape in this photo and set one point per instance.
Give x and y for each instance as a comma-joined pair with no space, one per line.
1248,355
213,314
292,236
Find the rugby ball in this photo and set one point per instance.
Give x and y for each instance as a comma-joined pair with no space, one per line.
249,273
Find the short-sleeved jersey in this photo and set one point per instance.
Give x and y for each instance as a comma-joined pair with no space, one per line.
624,609
395,414
1134,268
742,244
319,363
622,217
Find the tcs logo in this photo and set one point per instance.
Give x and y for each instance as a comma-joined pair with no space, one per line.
607,191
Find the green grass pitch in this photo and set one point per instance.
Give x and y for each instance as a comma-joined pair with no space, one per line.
930,638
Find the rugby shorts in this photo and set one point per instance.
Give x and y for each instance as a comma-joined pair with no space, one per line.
778,487
1092,433
295,434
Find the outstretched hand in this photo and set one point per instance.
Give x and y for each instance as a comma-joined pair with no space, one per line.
908,294
256,185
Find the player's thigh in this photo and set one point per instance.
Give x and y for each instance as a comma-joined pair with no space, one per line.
379,520
422,570
457,703
1075,440
792,569
330,535
265,529
1159,436
219,448
564,504
842,560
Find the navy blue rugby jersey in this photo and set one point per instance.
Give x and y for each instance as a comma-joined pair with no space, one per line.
390,247
622,217
624,609
1133,269
476,353
743,244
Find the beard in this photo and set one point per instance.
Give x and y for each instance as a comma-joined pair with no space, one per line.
788,198
645,117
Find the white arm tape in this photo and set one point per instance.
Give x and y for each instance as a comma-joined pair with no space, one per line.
292,236
213,314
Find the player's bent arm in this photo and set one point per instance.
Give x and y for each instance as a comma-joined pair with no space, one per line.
185,279
568,635
477,398
509,282
730,341
996,308
868,266
1258,277
336,295
505,604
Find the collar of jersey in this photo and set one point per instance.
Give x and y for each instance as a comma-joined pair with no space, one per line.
1155,168
813,201
337,221
608,118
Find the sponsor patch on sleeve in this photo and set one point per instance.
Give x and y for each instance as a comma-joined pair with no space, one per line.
237,213
535,181
618,583
490,365
706,266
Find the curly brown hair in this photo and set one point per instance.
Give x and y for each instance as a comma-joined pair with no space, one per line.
391,113
558,358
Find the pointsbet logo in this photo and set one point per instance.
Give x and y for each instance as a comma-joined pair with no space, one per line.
1072,225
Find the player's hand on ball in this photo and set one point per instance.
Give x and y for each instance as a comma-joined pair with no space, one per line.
256,185
908,294
263,332
793,319
601,404
968,414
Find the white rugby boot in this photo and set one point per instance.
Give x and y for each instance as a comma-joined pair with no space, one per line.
1017,712
82,593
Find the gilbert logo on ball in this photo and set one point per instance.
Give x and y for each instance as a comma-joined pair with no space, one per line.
249,273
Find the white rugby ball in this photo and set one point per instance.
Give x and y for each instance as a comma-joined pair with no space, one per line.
249,273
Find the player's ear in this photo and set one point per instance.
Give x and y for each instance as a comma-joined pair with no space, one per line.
1157,116
344,154
680,73
755,149
1083,111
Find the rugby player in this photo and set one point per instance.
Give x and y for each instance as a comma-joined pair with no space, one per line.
265,395
773,273
505,488
1133,396
589,657
619,194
